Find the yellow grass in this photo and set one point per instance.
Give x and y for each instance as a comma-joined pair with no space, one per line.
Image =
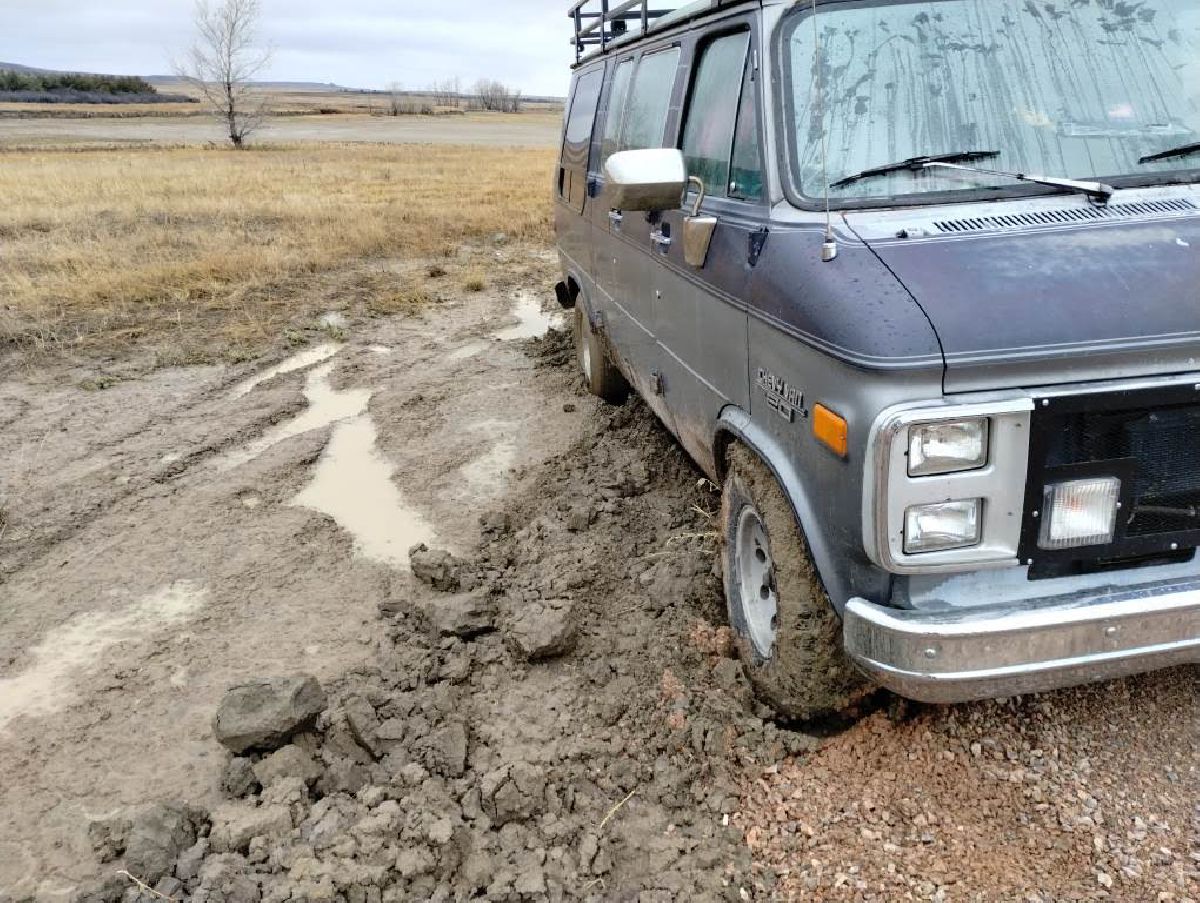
204,253
277,101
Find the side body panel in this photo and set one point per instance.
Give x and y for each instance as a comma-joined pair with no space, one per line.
699,312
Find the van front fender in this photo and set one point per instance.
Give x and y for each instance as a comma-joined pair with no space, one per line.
736,424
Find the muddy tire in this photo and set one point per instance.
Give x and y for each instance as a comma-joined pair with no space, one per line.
787,632
599,375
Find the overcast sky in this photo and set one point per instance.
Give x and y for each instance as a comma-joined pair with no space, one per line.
357,43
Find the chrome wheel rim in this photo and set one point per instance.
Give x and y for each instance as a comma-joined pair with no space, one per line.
757,593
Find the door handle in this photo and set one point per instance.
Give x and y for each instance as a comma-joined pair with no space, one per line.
616,217
661,239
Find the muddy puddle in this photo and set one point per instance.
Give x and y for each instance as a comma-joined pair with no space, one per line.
64,653
307,358
532,321
466,352
353,485
352,481
326,406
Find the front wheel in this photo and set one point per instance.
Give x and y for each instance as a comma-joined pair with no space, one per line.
787,633
599,375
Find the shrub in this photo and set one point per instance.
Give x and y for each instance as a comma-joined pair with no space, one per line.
74,81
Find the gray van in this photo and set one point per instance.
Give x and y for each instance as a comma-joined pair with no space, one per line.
918,282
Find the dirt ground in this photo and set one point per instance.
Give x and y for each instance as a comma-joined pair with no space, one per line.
157,547
187,530
534,129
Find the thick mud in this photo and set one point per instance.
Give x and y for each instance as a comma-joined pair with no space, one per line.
451,766
174,534
538,703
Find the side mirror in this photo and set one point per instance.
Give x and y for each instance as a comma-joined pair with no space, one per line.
645,180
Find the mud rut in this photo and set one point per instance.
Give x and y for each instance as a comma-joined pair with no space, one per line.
162,542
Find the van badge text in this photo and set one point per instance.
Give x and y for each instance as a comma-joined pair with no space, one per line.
783,399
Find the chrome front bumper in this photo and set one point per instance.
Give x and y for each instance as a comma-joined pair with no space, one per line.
960,655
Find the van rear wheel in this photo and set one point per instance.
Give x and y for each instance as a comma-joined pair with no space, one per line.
786,630
599,375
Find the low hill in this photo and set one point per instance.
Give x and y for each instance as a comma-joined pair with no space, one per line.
307,87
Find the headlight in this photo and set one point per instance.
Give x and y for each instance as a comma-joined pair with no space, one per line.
941,526
1080,513
947,447
945,486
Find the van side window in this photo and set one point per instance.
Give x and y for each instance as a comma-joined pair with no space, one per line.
577,139
713,115
745,176
616,110
650,100
583,108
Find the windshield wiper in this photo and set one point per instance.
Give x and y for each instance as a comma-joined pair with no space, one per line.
915,164
1182,151
1096,191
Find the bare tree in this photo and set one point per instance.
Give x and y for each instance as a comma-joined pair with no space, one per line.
497,97
224,60
395,98
447,93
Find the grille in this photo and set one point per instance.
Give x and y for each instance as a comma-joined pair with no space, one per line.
1161,450
1067,215
1150,440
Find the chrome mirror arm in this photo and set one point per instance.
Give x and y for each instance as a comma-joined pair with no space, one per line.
699,183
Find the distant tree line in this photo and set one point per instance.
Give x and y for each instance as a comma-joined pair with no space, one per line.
487,94
497,97
73,81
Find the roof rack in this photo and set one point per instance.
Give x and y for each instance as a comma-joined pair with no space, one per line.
598,23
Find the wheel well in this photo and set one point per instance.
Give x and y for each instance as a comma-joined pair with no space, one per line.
724,441
736,426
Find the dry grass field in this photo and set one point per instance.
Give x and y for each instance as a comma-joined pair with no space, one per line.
279,101
201,254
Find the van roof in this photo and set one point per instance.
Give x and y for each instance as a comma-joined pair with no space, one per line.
605,24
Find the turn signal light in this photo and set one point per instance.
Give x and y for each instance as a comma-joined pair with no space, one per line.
831,430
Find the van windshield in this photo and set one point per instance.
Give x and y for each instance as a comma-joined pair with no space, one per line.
1081,89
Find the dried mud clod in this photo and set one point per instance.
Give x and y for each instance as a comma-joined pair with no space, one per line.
265,714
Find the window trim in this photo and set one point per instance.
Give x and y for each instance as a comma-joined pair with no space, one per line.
750,82
610,78
753,57
641,58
